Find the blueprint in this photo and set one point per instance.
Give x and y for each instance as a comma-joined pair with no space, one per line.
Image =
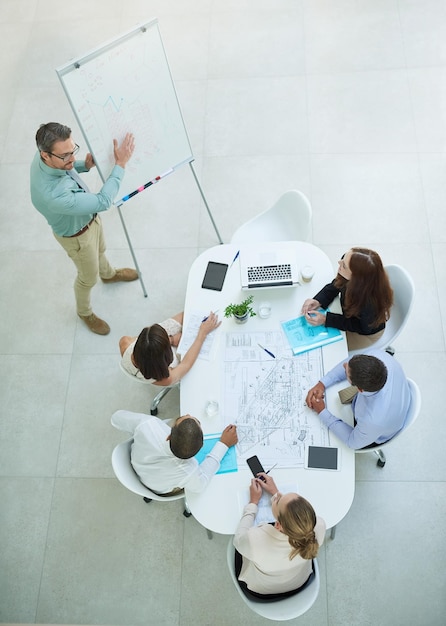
265,397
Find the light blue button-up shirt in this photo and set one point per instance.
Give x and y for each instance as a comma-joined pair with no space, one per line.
380,415
66,207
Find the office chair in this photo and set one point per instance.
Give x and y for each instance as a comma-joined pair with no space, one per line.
280,610
159,396
288,219
403,295
414,411
127,476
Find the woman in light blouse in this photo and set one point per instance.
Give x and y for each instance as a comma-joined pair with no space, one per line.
153,356
274,561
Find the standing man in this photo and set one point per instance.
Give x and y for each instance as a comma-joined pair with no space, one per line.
380,406
72,210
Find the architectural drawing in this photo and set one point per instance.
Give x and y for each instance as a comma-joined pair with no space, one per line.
265,398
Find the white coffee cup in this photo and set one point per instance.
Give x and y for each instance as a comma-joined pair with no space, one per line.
307,273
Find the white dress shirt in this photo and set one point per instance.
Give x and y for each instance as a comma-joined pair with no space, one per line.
152,459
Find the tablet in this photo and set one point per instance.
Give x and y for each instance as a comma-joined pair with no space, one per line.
318,457
215,276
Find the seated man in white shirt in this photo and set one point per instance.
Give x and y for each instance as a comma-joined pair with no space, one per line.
163,457
381,405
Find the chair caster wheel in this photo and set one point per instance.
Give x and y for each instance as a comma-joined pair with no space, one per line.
380,463
153,411
187,513
147,499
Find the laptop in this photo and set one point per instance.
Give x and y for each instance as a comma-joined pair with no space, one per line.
268,266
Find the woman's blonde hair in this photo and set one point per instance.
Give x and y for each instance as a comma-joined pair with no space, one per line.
298,521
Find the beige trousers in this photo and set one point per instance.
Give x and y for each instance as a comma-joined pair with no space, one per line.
88,254
355,341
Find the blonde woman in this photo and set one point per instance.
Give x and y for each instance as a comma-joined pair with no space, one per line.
274,561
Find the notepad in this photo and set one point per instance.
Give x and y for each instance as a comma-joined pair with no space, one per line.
303,337
264,512
228,462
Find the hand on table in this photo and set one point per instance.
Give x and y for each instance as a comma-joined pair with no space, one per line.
209,324
255,491
267,483
310,305
229,435
316,397
315,318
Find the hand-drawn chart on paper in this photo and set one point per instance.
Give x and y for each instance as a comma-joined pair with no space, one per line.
265,398
126,86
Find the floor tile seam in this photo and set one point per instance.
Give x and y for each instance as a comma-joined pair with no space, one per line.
401,481
397,69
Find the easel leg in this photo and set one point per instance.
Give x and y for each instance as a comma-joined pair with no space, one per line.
132,252
205,202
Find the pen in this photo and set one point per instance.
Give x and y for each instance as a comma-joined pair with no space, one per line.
271,468
235,258
207,316
267,351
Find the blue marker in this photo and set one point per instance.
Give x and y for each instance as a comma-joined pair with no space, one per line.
235,258
207,316
267,351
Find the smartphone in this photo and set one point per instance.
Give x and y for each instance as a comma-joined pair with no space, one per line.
214,276
318,457
254,465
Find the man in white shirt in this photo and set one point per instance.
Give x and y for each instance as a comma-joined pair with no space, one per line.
163,457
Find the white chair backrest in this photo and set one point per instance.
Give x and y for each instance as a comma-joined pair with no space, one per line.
415,403
144,381
403,295
288,219
414,411
126,475
280,610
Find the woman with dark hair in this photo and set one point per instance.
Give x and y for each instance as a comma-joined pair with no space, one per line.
366,299
153,356
275,561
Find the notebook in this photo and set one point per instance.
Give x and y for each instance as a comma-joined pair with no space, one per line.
268,266
228,462
303,337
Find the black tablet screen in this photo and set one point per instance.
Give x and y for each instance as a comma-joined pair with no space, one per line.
322,458
215,276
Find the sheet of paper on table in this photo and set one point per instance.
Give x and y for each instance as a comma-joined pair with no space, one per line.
265,398
190,332
264,511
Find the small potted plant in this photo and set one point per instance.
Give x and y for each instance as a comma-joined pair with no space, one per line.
241,311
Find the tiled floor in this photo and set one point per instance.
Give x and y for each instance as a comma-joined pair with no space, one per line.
344,100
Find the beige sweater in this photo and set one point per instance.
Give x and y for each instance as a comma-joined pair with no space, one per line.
266,565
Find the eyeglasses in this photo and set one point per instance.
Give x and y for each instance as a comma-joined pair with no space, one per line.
66,157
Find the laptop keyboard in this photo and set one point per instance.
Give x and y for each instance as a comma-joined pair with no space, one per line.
269,273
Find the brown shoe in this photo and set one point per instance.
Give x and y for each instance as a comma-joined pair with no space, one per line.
95,324
125,274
